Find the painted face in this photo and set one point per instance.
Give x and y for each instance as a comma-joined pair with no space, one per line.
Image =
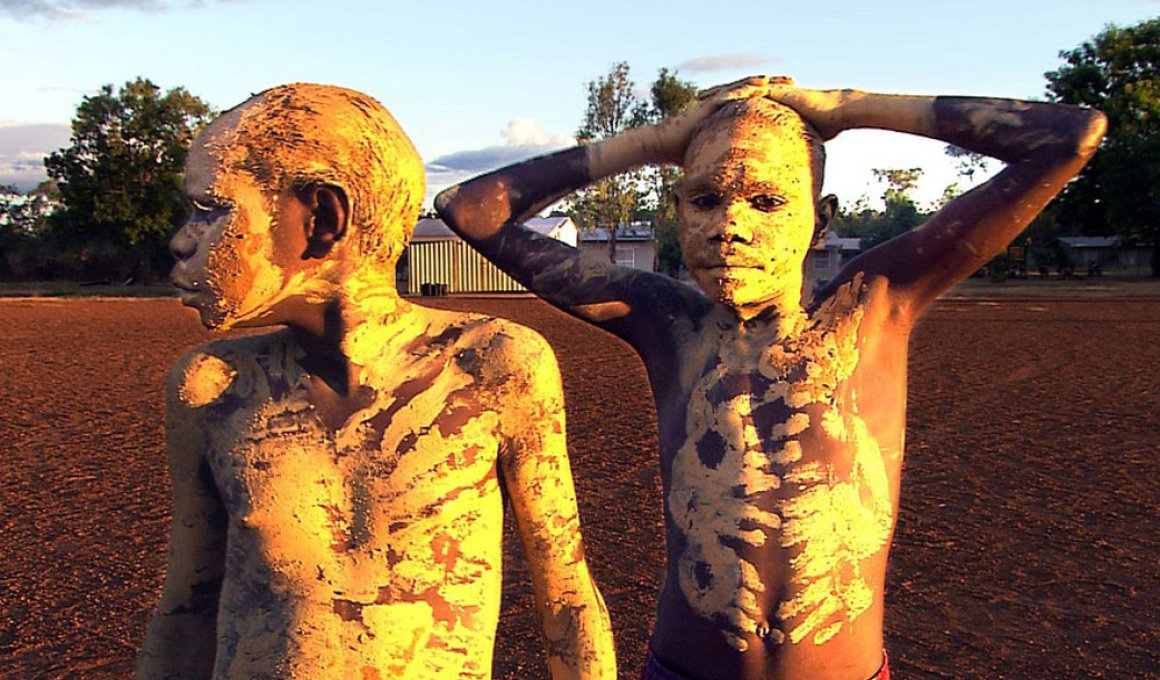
237,252
747,211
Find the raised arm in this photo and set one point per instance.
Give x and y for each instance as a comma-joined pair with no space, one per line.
487,210
534,464
181,639
1044,145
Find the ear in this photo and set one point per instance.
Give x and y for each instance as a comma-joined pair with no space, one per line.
329,218
824,213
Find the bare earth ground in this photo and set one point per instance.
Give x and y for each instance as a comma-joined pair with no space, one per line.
1026,547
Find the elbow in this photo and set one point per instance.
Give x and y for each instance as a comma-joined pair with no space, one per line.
1091,133
474,210
445,204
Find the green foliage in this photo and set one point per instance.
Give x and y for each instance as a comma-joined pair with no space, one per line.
967,163
898,216
899,183
120,177
1117,72
878,226
670,96
613,107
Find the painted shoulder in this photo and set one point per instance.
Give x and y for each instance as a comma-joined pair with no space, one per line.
205,375
505,350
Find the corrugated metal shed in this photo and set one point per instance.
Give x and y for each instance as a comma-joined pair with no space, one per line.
437,255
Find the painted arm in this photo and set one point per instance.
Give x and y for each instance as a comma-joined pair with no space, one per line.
1044,146
487,211
182,636
534,464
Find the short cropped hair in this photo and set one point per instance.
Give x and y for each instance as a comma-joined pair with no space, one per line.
779,114
292,136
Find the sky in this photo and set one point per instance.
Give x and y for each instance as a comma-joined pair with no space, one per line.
478,84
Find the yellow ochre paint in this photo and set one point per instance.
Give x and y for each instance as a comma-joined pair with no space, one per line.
364,539
829,520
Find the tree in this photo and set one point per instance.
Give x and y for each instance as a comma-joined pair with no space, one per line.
613,107
120,177
25,252
1117,72
898,216
669,96
967,163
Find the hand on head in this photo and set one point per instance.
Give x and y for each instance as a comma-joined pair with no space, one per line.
673,135
820,108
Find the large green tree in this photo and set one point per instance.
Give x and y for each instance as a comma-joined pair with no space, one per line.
120,177
613,107
1117,72
669,96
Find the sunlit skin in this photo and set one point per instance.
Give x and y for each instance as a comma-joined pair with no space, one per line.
339,485
782,419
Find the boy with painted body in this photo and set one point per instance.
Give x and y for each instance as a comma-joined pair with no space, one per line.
781,420
339,485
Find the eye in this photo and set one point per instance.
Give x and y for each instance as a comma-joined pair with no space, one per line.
203,211
767,202
705,201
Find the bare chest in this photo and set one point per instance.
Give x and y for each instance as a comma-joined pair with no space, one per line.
782,484
403,455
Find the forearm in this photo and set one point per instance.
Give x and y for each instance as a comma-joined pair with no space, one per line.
477,208
1009,130
179,645
578,634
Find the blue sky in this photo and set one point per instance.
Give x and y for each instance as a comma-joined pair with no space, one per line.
478,83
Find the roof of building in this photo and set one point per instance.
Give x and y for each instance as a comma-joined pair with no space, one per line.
432,229
844,243
1090,241
626,232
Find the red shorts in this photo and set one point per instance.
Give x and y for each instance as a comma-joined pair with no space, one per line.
654,670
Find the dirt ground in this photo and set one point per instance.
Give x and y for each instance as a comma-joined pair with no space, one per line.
1027,543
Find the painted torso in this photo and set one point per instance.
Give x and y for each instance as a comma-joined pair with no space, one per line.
780,458
378,538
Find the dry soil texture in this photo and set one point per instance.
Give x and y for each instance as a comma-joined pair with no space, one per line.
1026,546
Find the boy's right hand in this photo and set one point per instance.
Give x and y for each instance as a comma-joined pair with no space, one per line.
671,137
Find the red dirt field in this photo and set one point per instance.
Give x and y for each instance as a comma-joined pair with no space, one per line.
1026,547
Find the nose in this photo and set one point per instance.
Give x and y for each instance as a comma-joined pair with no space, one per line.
735,228
184,243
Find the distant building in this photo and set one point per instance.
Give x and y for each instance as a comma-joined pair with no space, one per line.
636,245
826,258
1104,252
437,256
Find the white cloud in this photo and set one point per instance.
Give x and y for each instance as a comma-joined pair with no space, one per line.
76,9
527,132
724,62
22,151
523,138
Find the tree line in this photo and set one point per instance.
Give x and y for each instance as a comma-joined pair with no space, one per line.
1117,71
113,197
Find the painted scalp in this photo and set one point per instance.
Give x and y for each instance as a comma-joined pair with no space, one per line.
296,134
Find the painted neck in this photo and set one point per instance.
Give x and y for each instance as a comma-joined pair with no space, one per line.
333,319
783,309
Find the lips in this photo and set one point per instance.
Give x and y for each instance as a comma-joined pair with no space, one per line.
186,287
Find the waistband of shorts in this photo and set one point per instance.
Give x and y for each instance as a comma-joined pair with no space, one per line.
655,670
